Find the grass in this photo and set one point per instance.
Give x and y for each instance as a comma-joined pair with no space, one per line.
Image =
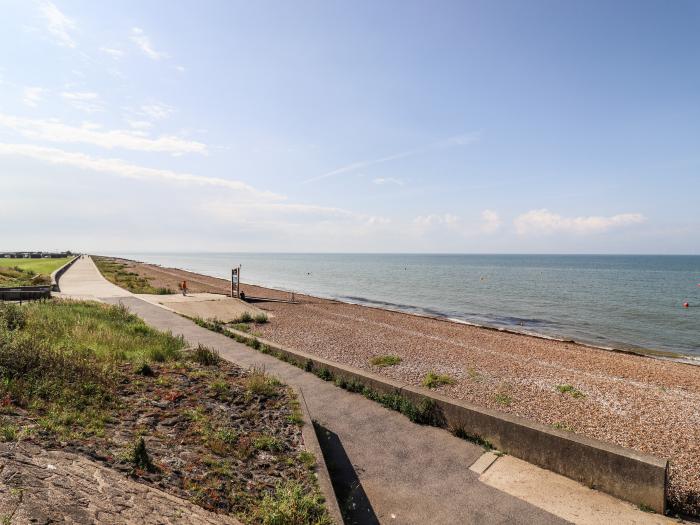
291,504
503,399
259,383
117,273
28,272
385,360
45,266
60,359
571,390
433,380
205,356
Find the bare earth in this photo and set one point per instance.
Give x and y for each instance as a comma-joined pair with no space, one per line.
638,402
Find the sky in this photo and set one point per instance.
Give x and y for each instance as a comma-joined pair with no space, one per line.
328,126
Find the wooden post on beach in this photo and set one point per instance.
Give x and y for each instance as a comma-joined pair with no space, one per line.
236,282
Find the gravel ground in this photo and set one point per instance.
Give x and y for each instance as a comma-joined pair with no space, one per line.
646,404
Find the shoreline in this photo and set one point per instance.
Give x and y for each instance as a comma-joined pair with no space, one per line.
641,402
667,355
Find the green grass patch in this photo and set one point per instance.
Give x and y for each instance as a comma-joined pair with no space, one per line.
433,380
61,359
28,272
385,360
118,273
291,504
571,390
503,399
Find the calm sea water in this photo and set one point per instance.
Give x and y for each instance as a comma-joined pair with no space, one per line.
606,300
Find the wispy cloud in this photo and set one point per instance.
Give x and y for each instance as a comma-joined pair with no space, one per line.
58,24
87,101
56,131
124,169
32,96
387,180
156,111
113,52
144,43
458,140
544,221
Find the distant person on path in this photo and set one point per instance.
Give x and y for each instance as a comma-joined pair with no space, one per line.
183,287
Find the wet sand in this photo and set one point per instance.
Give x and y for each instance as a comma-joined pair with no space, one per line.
643,403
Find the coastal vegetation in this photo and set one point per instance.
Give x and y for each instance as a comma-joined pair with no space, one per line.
28,272
118,273
97,380
434,380
570,390
385,360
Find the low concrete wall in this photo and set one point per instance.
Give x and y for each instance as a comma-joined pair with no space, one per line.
623,473
25,293
312,445
56,275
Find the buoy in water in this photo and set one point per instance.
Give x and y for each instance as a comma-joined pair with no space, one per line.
686,305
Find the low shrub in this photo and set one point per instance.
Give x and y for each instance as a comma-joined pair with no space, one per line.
433,380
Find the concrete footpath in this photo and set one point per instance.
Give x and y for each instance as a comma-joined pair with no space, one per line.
405,473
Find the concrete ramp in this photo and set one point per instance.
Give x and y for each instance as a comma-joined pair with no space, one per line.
204,305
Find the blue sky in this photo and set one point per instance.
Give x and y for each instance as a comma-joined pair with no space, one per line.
556,127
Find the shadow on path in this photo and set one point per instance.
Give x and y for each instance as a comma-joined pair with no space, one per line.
353,502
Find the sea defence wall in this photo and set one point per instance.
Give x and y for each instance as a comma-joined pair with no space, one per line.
621,472
56,275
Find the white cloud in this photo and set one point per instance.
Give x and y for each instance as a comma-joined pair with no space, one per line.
139,124
544,221
113,52
58,24
144,43
83,100
123,169
156,111
387,180
491,221
32,96
89,133
436,220
181,69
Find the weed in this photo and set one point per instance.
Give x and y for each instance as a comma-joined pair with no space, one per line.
433,380
260,318
8,432
563,426
324,374
143,369
241,327
461,433
268,443
205,356
220,388
385,360
259,383
139,456
245,317
571,390
307,459
12,316
292,504
503,399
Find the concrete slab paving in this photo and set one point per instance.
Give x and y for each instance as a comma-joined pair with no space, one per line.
204,305
563,496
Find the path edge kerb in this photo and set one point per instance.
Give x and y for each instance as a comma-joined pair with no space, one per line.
312,445
56,274
621,472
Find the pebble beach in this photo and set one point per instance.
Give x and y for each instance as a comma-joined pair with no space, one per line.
647,404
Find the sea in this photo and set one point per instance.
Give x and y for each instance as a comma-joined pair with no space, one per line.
628,302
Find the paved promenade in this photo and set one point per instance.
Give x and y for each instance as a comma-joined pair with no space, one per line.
407,473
